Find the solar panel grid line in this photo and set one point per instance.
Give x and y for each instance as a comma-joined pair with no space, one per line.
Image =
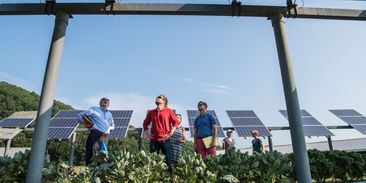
354,120
246,131
64,122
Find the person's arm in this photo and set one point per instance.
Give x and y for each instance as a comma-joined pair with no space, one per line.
80,115
195,138
223,144
173,120
214,129
214,136
183,135
262,147
111,123
145,125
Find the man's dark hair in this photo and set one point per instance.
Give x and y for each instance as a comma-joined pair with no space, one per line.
202,103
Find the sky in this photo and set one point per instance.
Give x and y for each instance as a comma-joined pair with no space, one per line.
229,62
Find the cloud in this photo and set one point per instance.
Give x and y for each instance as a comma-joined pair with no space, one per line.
219,88
131,101
187,80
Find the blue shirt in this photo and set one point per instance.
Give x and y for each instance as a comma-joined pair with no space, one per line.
102,119
203,125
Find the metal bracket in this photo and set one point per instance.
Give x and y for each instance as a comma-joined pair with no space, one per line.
236,7
290,6
50,7
109,3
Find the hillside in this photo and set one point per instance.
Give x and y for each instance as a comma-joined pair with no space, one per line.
14,98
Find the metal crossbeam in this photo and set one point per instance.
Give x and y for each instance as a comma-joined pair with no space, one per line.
180,9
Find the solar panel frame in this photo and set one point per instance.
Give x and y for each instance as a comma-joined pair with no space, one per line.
16,122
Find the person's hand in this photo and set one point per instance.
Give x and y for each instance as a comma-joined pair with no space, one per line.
147,134
213,143
170,134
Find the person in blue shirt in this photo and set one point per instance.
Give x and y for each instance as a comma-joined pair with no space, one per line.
205,127
102,125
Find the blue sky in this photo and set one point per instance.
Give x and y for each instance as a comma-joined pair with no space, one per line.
229,62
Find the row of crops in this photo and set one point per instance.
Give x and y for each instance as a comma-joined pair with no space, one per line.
123,166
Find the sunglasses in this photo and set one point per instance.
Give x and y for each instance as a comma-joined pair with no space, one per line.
105,99
160,97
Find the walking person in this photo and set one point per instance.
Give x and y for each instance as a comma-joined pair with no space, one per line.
205,132
257,143
100,122
163,124
177,140
229,142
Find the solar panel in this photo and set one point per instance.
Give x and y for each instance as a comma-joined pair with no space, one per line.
351,117
192,115
317,131
245,131
16,122
67,114
311,126
354,120
345,112
303,113
241,114
122,122
118,132
245,121
60,133
62,122
360,128
121,113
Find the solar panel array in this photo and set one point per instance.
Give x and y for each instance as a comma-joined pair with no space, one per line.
192,115
311,126
245,121
353,118
63,124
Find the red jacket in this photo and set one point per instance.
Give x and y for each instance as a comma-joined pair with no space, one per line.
161,123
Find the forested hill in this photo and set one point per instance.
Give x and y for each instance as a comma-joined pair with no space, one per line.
14,98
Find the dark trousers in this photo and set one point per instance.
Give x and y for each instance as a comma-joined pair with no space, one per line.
164,147
93,137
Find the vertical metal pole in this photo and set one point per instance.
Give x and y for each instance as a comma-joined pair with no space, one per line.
72,150
7,148
292,103
330,143
35,166
270,144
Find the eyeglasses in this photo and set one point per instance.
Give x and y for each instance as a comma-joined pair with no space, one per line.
105,99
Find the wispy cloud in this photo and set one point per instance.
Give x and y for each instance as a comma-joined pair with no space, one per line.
219,88
187,80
